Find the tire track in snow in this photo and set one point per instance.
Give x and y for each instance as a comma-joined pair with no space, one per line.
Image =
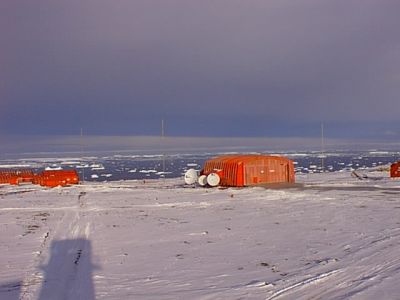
68,271
303,284
32,281
67,251
357,271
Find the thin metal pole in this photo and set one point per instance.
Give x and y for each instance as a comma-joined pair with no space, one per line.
162,145
322,148
83,167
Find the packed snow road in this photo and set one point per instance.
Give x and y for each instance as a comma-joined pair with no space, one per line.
333,237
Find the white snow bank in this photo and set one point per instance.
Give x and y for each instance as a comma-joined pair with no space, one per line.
12,166
51,168
148,171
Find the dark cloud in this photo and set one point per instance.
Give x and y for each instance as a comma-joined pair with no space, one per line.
209,67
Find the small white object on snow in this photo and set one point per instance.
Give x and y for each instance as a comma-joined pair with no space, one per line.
213,179
202,180
191,176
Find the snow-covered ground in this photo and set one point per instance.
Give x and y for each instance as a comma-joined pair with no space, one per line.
330,237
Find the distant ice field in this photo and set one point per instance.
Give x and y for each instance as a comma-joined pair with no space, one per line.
112,167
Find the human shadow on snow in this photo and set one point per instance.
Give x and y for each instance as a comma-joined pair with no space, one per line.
10,290
68,274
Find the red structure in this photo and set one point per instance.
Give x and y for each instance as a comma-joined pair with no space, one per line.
395,169
45,178
16,176
250,170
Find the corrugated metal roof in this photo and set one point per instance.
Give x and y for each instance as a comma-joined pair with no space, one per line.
250,169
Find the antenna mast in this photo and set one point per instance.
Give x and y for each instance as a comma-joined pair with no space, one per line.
162,128
162,145
83,169
322,148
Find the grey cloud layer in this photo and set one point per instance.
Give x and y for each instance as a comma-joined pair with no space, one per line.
331,60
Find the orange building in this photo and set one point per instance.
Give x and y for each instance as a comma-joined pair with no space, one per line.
45,178
250,170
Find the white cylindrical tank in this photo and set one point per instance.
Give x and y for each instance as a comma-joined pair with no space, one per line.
202,180
213,179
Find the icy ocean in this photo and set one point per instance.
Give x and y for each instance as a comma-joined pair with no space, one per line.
127,166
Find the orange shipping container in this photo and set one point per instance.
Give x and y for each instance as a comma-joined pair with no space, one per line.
16,176
250,170
57,178
46,178
395,169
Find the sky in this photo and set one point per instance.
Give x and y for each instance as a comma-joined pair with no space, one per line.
274,68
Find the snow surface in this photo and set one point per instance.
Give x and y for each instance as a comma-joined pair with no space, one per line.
332,236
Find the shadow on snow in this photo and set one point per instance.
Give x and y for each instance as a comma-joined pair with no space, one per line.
68,274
